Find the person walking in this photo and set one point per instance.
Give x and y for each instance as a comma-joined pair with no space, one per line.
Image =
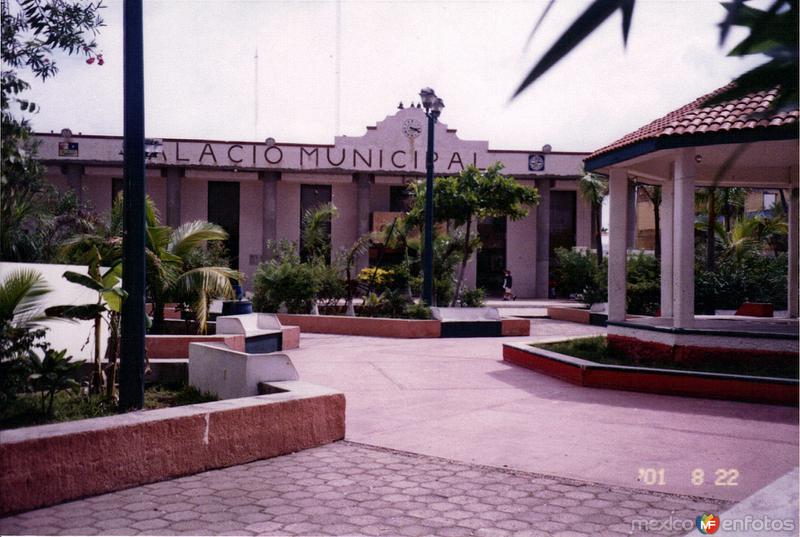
508,283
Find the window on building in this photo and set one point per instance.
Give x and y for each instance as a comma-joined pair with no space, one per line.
399,199
562,221
312,197
223,210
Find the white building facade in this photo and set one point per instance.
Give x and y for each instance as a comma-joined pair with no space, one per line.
258,191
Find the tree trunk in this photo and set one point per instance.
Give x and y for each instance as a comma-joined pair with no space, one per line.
727,210
158,315
349,309
464,259
597,210
112,355
96,385
710,235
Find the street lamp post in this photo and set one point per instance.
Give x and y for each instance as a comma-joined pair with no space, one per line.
131,382
433,108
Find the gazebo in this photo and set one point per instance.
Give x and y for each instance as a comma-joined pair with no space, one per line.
741,142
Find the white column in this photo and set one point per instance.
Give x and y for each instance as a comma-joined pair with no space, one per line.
617,250
683,240
794,267
632,231
667,206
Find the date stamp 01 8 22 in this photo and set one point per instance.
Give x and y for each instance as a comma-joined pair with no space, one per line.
722,477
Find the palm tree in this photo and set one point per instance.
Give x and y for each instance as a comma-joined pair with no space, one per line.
356,250
174,278
594,188
316,232
168,274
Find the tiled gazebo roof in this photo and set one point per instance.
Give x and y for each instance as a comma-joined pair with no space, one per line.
747,113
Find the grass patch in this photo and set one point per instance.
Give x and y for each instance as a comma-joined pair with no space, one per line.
595,349
25,410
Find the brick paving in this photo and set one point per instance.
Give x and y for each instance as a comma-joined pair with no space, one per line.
354,489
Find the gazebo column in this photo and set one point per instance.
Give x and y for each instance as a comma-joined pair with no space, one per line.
683,240
667,206
794,267
631,224
617,246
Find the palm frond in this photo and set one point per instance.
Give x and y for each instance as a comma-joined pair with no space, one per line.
205,284
21,295
316,230
191,235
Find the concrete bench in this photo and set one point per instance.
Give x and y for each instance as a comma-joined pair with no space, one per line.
263,332
469,322
216,368
465,314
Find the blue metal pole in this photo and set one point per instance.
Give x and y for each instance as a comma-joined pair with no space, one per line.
131,382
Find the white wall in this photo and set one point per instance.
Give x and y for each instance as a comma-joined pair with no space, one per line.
63,334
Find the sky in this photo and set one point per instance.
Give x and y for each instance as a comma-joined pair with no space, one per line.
200,70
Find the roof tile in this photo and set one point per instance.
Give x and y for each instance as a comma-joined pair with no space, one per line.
737,114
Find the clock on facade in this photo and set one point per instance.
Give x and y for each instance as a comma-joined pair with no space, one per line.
412,127
535,163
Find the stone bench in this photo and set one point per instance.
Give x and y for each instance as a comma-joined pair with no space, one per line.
230,374
263,332
469,322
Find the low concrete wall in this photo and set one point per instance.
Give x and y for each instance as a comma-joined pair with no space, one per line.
49,464
170,346
363,326
574,315
290,337
712,350
516,327
661,381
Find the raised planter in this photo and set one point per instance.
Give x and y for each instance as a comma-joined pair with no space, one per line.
574,315
175,346
650,380
363,326
383,327
756,309
49,464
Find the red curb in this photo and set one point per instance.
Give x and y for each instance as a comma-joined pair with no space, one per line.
665,382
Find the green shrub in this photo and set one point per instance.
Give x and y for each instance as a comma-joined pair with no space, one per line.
644,284
52,374
753,278
332,287
575,271
376,279
417,311
472,298
285,280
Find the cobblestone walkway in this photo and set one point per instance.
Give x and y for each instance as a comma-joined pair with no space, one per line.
353,489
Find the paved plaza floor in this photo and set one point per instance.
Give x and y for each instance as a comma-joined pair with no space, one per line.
443,438
352,489
455,398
